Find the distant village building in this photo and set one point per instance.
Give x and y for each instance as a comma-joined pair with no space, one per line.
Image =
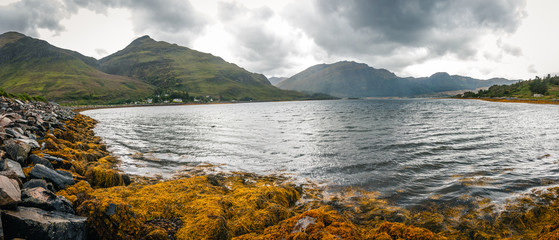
150,100
538,95
177,100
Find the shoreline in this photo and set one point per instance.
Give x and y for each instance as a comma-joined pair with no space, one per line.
509,100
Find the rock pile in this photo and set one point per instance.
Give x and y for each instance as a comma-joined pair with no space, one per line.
29,206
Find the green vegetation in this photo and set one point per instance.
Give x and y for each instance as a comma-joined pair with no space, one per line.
22,96
351,79
538,88
146,69
172,68
34,67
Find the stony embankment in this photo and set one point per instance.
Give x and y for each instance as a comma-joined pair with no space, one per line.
46,148
59,182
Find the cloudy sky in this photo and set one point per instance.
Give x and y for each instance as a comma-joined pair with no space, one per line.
479,38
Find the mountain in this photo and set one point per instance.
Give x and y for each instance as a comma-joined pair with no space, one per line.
351,79
275,80
172,67
34,67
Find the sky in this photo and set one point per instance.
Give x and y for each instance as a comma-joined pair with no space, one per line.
515,39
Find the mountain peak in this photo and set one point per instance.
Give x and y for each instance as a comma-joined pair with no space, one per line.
10,37
142,40
440,74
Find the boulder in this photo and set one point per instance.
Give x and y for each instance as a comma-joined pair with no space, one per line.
35,223
33,183
39,171
4,121
14,167
17,151
42,198
10,193
34,159
13,133
29,141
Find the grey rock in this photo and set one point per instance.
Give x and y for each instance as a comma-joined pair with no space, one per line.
42,198
17,150
31,142
15,167
5,121
34,159
65,173
11,132
3,165
33,183
34,223
42,172
10,192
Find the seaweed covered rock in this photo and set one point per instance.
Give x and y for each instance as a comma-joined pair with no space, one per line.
35,223
323,223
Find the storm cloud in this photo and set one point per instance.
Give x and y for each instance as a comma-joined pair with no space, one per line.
257,41
172,20
287,38
27,16
424,29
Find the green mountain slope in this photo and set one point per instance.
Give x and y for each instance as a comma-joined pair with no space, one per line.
171,67
351,79
35,67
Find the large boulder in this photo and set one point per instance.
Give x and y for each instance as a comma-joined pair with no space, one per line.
17,150
35,223
39,171
34,159
14,167
10,193
33,183
44,199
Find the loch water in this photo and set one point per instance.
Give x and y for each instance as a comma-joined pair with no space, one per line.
409,150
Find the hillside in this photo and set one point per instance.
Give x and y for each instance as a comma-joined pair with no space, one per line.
351,79
35,67
546,88
170,67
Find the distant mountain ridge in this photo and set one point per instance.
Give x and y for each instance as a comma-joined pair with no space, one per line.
169,66
275,80
144,68
351,79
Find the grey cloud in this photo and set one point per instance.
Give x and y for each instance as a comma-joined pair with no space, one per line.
264,49
27,16
175,19
384,27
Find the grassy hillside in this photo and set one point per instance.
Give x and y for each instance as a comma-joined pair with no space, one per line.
34,67
351,79
546,88
170,67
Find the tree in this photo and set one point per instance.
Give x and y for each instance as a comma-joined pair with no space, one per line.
538,86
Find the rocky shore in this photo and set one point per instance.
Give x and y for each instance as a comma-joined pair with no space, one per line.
44,150
58,181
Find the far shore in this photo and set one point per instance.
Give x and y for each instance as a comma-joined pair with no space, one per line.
514,100
82,108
